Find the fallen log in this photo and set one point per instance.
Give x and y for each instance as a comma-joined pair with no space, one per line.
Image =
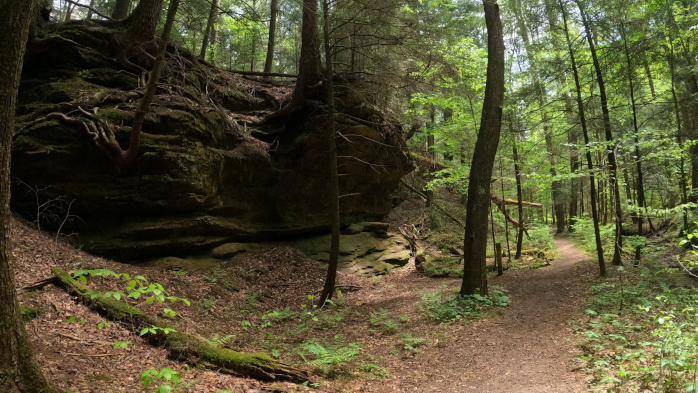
183,345
500,203
39,284
251,73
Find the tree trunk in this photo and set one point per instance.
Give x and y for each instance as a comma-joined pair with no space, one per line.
143,21
272,37
677,112
210,27
638,158
328,289
89,10
121,9
430,153
519,196
309,74
475,243
648,72
611,145
19,371
540,93
572,138
582,120
506,222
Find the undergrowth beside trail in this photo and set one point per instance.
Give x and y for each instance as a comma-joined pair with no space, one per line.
641,334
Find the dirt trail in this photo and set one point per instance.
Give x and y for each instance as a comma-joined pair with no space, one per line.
528,349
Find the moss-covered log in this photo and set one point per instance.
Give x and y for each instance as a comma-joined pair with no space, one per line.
184,346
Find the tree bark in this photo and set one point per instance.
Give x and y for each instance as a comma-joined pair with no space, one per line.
573,139
475,243
582,120
519,195
89,10
272,37
121,9
682,182
19,370
143,21
430,153
638,158
210,27
329,287
613,175
309,74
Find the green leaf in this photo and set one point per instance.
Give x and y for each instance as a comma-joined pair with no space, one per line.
163,389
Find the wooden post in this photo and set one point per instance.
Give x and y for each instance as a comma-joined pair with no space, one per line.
498,258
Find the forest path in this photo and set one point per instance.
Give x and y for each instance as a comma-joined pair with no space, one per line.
530,348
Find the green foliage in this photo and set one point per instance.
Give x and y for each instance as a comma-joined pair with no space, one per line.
121,344
410,343
136,287
28,314
216,340
642,334
155,330
328,357
583,233
442,307
170,379
381,320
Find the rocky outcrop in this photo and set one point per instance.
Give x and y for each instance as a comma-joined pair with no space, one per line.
370,251
208,172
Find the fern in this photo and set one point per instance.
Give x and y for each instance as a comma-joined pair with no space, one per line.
329,355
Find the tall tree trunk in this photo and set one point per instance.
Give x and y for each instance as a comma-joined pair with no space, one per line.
638,157
210,28
309,68
272,37
648,72
328,289
547,130
475,239
519,197
572,138
143,21
682,182
89,10
121,9
506,222
19,371
590,165
430,153
611,145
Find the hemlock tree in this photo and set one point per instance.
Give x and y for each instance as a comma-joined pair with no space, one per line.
210,29
121,9
331,279
475,243
269,62
19,371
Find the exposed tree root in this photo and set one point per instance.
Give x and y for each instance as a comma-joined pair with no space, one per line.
182,345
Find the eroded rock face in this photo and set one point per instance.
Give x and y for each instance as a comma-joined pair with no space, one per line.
367,253
200,180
